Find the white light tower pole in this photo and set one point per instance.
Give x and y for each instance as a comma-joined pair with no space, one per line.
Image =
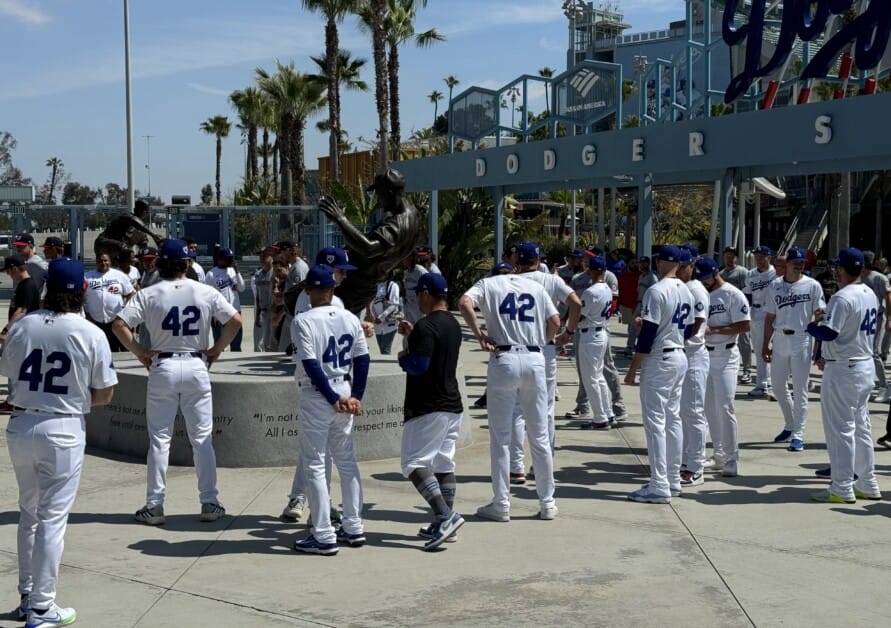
130,190
148,162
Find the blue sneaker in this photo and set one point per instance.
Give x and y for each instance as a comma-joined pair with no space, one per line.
24,607
353,540
53,616
796,445
310,545
783,436
443,530
643,495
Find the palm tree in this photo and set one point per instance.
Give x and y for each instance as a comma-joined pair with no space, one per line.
547,72
451,82
56,164
334,12
378,13
435,96
249,106
219,127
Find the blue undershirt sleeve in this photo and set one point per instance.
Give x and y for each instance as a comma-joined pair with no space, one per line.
821,332
317,376
415,365
360,375
688,332
646,336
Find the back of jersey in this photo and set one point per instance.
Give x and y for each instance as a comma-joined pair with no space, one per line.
52,360
516,309
553,285
669,304
330,335
597,304
178,314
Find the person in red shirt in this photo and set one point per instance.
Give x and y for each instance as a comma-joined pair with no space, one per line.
628,279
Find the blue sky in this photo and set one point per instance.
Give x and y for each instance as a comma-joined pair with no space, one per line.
63,90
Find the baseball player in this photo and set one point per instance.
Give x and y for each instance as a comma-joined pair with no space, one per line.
59,366
793,301
667,318
290,253
53,248
433,407
177,313
107,291
756,291
520,320
728,318
596,308
878,283
846,341
331,376
24,246
194,267
226,278
528,266
385,312
737,275
261,286
411,273
693,391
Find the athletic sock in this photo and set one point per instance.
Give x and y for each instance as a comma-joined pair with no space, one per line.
428,487
448,485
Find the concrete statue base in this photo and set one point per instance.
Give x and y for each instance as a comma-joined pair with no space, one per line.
254,413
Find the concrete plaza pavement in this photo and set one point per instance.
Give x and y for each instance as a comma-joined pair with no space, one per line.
751,550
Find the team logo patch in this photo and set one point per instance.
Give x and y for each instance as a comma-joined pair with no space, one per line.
700,307
744,309
330,259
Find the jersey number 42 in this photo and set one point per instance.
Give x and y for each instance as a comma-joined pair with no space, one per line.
31,371
337,352
186,325
517,307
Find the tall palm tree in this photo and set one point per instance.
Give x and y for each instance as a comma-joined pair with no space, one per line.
435,96
378,13
547,72
219,127
334,12
451,82
249,105
56,164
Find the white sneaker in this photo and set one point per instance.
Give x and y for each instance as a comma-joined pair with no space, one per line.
758,391
731,469
712,464
53,616
490,512
294,509
548,513
884,395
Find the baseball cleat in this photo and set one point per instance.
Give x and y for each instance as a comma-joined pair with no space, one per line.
294,509
644,496
578,412
712,464
310,545
517,478
731,469
826,497
595,425
211,511
783,436
796,445
758,391
427,533
490,512
873,496
443,530
745,378
53,616
688,478
150,515
353,540
24,607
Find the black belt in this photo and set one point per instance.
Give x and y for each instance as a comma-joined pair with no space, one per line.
790,332
586,329
37,411
527,347
755,306
670,349
729,345
167,354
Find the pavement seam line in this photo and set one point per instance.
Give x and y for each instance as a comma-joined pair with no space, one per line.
695,540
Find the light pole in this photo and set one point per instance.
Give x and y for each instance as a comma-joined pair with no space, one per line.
573,9
129,106
640,67
148,162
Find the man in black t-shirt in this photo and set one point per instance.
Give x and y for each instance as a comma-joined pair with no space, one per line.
27,294
433,407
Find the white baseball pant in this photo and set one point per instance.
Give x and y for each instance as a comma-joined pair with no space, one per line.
592,350
180,382
517,449
791,353
264,338
321,430
518,375
878,360
723,364
762,368
845,405
693,409
660,399
47,454
428,442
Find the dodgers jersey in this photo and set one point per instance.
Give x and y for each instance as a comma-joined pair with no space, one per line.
701,302
597,302
668,304
516,309
727,306
794,304
553,285
177,314
104,296
303,305
757,284
53,359
228,282
330,335
853,313
582,281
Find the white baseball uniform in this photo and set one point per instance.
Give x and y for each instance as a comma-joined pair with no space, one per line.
669,305
794,305
593,342
177,315
261,286
105,293
757,289
52,361
847,380
727,306
332,337
516,310
410,281
693,391
296,274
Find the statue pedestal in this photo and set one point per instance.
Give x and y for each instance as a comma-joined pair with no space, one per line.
254,413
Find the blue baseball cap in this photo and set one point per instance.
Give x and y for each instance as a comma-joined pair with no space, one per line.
65,275
320,276
502,266
174,249
669,253
706,268
850,258
692,248
596,262
335,258
528,251
796,254
685,258
763,250
618,267
576,253
225,252
434,283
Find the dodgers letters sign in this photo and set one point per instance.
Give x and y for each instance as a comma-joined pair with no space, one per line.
806,19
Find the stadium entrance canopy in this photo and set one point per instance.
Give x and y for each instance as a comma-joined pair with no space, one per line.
680,142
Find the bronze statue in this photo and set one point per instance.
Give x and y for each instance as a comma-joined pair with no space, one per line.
125,232
379,251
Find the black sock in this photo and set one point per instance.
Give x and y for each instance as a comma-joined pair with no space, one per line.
448,486
428,487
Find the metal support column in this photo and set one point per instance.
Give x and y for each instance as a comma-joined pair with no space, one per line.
756,226
741,193
498,198
645,216
601,228
572,217
725,211
613,193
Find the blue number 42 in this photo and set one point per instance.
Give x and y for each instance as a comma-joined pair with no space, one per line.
680,315
869,322
518,307
187,325
31,371
337,352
